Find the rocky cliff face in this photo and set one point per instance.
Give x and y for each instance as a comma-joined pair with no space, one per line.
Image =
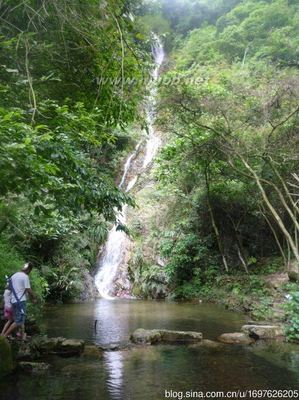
89,291
115,274
139,221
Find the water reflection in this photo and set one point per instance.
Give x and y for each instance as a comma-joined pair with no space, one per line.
114,369
145,372
112,321
117,319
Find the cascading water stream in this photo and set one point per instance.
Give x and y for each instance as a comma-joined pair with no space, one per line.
114,251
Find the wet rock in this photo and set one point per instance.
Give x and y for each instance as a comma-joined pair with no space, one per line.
263,331
122,286
33,367
72,347
89,291
45,345
59,346
235,338
6,363
115,346
180,336
92,352
143,336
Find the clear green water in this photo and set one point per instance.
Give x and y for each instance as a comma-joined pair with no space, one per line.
144,373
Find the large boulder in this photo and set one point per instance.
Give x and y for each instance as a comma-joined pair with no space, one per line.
293,271
89,291
71,347
180,336
6,363
263,331
45,345
235,338
277,280
144,336
59,346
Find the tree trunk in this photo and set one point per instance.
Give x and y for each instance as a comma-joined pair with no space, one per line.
271,208
216,230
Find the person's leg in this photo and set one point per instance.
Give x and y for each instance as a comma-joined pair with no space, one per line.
8,315
11,328
18,316
6,326
13,325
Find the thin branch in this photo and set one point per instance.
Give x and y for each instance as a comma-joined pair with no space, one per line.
32,97
274,127
122,61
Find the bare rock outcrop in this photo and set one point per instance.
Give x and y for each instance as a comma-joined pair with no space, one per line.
144,336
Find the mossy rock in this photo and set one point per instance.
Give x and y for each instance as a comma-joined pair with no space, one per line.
6,363
263,331
293,271
92,352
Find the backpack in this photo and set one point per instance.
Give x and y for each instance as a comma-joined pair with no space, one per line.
12,289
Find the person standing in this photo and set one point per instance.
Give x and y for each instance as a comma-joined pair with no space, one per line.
8,316
20,288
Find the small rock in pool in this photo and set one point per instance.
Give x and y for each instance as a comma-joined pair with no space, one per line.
33,367
235,338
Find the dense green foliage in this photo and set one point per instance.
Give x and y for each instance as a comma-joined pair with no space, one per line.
174,19
62,129
292,309
229,102
228,173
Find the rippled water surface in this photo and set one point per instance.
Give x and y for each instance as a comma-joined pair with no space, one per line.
146,372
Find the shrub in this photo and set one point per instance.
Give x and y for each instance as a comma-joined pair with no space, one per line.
10,262
292,309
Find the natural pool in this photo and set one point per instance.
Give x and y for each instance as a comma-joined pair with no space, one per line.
144,373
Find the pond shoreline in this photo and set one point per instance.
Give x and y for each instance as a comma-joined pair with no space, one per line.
106,362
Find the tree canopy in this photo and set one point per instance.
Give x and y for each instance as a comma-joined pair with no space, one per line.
62,125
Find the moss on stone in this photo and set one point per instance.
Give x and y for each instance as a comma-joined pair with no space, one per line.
6,363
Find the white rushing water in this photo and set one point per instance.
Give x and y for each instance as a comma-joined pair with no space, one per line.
114,251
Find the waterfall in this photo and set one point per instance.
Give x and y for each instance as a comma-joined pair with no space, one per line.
114,250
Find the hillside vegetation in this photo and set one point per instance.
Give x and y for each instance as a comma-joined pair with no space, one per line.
228,108
62,132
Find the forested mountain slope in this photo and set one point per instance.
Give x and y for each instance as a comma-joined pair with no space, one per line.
229,169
